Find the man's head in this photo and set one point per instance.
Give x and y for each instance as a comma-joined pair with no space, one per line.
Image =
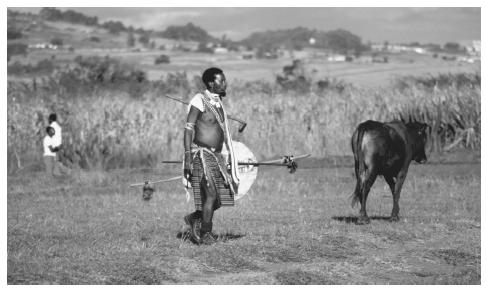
50,131
215,81
52,118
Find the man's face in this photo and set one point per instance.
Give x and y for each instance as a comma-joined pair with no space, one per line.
218,86
51,132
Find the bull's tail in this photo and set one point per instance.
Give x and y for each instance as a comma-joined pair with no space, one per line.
359,160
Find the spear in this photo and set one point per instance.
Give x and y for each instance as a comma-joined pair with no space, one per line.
287,161
154,182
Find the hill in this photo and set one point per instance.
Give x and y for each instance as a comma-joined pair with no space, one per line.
340,40
189,32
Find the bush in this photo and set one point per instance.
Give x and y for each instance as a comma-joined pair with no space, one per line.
94,39
45,66
203,48
130,39
13,34
440,81
295,78
331,84
114,27
57,41
162,59
144,39
16,49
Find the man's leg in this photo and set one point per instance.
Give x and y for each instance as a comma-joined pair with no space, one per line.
193,220
49,163
56,170
63,169
209,197
192,217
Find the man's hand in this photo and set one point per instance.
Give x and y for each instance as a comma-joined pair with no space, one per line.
187,167
188,175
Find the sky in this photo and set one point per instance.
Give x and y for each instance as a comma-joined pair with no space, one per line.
375,24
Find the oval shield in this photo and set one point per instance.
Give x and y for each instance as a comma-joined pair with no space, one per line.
248,173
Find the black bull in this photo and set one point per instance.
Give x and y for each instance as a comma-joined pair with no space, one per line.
385,149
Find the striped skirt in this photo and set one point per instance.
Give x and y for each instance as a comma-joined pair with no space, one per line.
225,196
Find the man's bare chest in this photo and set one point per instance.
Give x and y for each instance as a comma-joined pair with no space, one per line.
212,116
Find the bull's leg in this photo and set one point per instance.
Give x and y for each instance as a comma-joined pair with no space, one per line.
365,190
391,183
357,189
396,195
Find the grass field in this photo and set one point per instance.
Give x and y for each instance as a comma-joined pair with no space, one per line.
236,69
289,229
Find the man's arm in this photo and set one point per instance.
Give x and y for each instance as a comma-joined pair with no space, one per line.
57,148
188,135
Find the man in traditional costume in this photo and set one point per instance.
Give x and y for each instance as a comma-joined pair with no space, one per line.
206,136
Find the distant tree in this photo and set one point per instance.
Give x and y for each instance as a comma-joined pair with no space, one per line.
53,14
233,47
452,47
130,39
16,49
343,41
225,41
57,41
152,45
386,44
13,34
338,40
162,59
144,39
267,51
433,47
114,27
94,39
203,48
189,32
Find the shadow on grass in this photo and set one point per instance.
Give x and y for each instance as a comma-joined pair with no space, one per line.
229,236
354,219
186,236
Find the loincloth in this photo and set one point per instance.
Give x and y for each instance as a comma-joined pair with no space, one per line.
213,165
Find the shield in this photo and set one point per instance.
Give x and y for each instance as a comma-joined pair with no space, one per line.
248,173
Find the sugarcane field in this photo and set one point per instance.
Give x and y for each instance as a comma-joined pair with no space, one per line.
185,146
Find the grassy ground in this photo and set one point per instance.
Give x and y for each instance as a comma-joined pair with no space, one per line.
289,229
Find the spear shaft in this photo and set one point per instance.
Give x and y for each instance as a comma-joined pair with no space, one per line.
239,163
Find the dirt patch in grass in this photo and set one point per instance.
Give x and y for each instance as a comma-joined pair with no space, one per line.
456,257
299,277
140,274
284,254
328,247
227,259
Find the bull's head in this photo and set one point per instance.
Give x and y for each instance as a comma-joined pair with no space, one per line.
419,134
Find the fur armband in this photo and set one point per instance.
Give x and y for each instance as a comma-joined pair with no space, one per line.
190,126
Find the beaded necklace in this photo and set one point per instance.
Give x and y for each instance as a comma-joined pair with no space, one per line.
217,114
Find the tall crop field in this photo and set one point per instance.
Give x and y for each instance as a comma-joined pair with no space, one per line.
107,128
